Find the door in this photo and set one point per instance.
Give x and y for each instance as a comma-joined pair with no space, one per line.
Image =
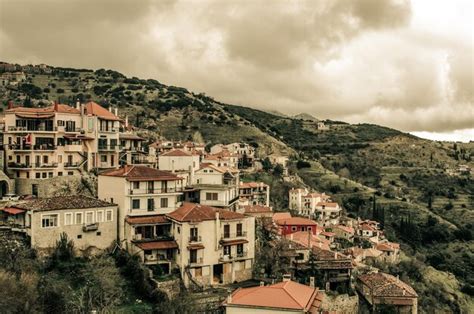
226,231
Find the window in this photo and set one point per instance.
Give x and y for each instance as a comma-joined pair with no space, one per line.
100,216
50,174
135,204
45,159
79,236
164,203
240,249
211,197
226,231
103,158
68,219
38,175
193,233
239,230
193,256
293,228
60,174
70,173
150,204
78,218
98,233
89,217
43,175
48,221
226,249
108,215
136,185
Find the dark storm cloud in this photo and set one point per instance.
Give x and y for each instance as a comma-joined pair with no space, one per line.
359,60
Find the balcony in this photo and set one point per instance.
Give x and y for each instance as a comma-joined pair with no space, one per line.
163,237
109,130
15,165
229,257
33,147
194,239
157,258
228,236
72,165
195,262
90,227
27,129
111,148
154,191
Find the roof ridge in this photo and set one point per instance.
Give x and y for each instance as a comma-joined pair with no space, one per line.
291,296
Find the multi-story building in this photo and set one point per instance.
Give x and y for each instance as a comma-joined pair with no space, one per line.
215,186
217,246
182,162
162,146
328,213
141,192
222,159
89,222
244,153
254,193
304,202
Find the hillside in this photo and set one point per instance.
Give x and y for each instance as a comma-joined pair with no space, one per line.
412,179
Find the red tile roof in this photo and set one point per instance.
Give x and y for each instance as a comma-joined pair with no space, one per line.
157,245
95,109
296,221
388,246
385,285
284,295
196,212
60,108
143,220
141,173
176,153
13,210
62,202
281,215
327,204
309,240
346,229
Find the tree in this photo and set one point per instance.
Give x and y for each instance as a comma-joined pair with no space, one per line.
267,164
64,250
278,170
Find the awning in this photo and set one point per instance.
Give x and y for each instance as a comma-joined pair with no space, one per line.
145,220
233,242
35,115
157,245
195,247
13,210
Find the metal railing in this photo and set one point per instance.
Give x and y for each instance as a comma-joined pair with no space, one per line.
231,235
27,129
154,191
33,147
229,257
71,164
194,239
32,165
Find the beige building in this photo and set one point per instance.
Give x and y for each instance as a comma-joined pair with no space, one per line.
180,161
304,202
139,191
89,222
328,213
216,246
215,186
254,193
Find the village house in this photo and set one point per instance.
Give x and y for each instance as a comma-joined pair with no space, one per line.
328,213
390,250
89,222
304,202
309,240
369,230
336,268
343,232
60,140
241,150
141,191
383,289
217,246
214,186
222,159
284,297
254,193
361,255
294,224
182,162
132,151
12,78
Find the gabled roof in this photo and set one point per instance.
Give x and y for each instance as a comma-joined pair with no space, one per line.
176,153
284,295
346,229
281,215
141,173
95,109
385,285
296,221
196,212
309,240
218,169
62,202
388,246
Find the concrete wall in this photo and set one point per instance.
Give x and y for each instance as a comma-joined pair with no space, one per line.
66,185
102,238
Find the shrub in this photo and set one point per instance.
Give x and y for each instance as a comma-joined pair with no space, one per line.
300,164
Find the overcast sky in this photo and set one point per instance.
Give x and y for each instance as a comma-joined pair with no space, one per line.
407,65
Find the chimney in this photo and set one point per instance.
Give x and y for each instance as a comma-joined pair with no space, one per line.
262,284
78,105
10,104
56,106
286,277
229,298
116,111
126,121
110,108
291,236
311,282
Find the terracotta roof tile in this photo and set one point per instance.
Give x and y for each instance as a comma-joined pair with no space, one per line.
296,221
176,153
283,295
141,173
95,109
157,245
62,202
196,212
143,220
385,285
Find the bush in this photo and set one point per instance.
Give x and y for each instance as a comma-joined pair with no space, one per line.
300,164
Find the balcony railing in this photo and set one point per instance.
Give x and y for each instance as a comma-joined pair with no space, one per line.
32,165
163,237
109,130
197,261
33,147
27,129
154,191
72,164
229,257
109,147
194,239
232,235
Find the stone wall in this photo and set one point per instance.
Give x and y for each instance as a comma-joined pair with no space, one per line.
172,287
67,185
342,303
